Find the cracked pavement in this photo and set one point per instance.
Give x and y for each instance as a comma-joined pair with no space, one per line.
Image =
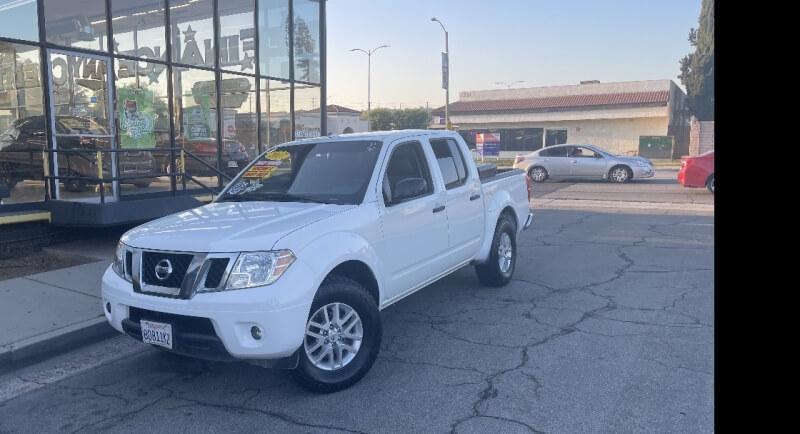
607,327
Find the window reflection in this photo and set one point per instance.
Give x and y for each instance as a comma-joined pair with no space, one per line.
239,122
306,111
192,29
139,28
142,116
76,23
276,121
273,26
18,19
237,43
306,40
22,123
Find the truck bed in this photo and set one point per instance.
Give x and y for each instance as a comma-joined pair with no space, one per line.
489,172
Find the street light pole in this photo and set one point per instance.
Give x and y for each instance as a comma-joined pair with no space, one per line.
447,75
369,80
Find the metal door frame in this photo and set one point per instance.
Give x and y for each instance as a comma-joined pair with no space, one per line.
112,123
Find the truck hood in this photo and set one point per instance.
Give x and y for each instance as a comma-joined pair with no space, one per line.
229,226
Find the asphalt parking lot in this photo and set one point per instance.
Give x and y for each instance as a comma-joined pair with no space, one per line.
607,327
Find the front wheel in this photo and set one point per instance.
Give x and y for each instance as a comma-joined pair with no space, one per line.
503,257
710,184
620,174
342,337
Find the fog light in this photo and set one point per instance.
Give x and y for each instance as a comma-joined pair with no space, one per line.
108,307
256,332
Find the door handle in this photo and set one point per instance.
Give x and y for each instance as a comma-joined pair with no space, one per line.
439,208
475,197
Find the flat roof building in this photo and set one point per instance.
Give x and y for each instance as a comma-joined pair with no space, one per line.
619,117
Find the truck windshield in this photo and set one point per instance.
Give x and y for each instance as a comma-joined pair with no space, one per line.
326,172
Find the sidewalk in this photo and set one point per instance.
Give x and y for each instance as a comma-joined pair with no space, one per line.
51,312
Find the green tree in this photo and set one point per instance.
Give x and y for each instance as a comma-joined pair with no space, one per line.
697,68
383,119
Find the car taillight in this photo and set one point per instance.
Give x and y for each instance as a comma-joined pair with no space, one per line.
529,183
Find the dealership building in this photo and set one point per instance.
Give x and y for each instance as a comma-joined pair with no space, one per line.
119,111
626,117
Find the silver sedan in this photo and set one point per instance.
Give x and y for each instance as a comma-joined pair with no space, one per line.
582,161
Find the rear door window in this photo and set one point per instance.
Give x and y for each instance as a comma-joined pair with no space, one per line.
451,162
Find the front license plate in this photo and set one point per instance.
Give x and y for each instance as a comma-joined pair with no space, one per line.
233,164
157,333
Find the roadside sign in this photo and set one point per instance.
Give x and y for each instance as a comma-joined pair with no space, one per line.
445,70
487,144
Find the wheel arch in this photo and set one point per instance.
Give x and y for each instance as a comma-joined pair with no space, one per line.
360,272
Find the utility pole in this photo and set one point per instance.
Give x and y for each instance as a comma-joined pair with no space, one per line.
445,74
369,80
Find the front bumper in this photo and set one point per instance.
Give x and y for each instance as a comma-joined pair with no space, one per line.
217,325
643,172
528,221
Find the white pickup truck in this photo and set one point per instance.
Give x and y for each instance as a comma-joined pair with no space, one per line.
290,266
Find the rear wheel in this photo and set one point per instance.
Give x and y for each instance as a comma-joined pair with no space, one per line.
538,174
75,185
342,337
710,184
503,257
7,177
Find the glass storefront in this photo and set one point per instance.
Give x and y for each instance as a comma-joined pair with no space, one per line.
511,139
108,100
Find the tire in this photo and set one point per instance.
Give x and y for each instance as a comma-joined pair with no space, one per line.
75,185
538,174
495,272
620,174
8,179
338,292
710,184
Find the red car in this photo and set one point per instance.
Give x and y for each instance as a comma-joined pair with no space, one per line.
697,171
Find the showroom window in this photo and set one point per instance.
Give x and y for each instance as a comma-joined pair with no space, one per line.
142,111
138,27
76,23
192,27
306,40
273,19
239,119
306,111
276,115
22,122
18,19
237,38
196,120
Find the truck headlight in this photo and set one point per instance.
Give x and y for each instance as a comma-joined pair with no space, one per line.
119,261
259,268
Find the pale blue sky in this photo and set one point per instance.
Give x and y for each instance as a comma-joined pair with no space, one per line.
542,42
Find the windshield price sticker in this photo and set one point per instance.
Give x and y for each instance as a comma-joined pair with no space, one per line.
278,155
260,172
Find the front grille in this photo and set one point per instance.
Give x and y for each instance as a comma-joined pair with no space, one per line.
128,263
216,271
180,323
180,263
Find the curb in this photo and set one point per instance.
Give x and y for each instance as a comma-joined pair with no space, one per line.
38,348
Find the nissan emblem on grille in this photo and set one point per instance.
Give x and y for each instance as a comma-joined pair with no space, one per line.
163,269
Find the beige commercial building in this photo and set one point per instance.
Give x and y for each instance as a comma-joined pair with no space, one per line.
620,117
